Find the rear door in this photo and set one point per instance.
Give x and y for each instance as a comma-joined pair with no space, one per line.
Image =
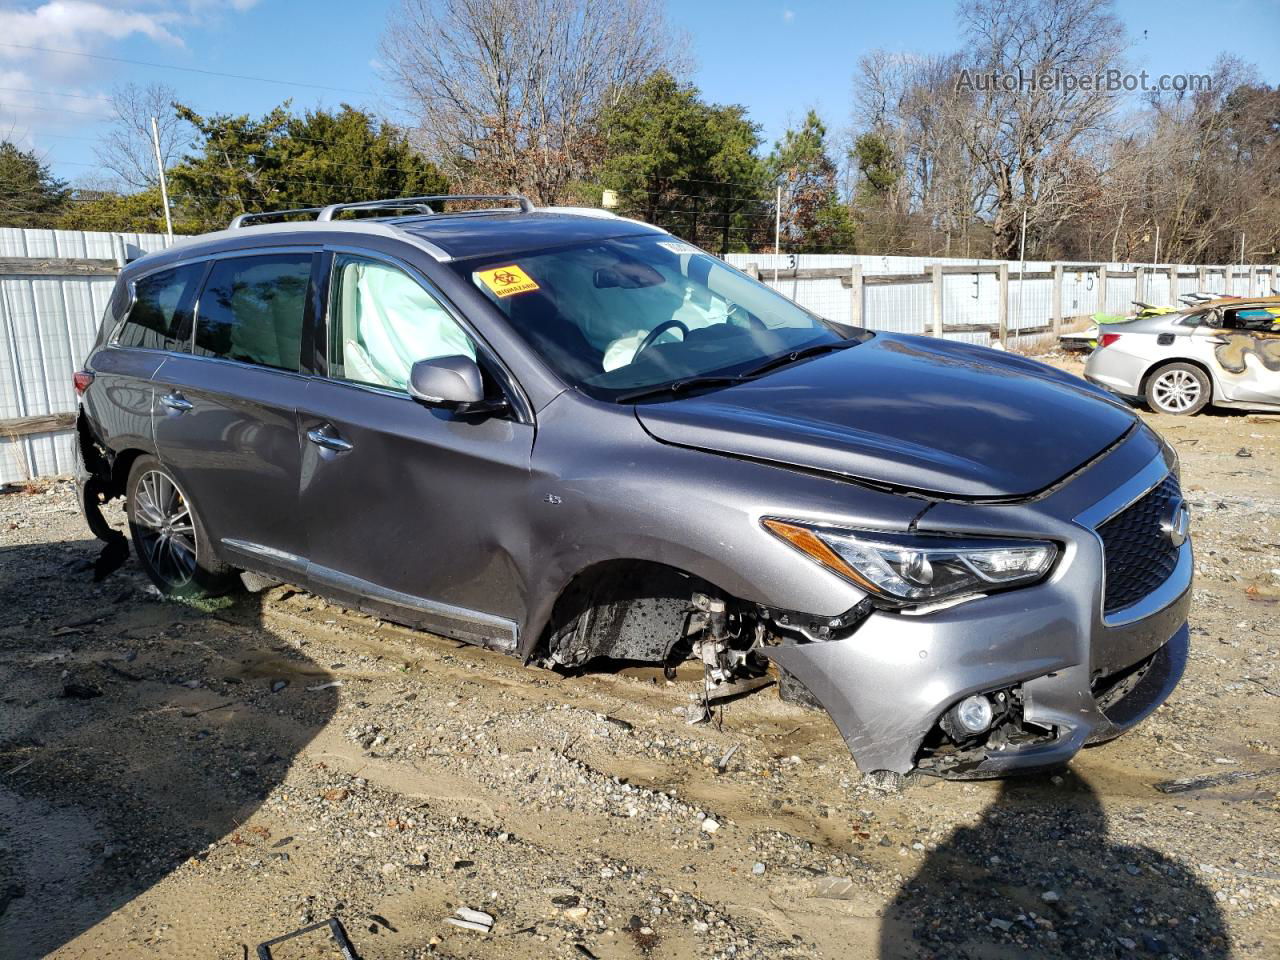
412,512
226,414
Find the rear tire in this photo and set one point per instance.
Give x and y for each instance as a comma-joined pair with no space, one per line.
169,537
1178,389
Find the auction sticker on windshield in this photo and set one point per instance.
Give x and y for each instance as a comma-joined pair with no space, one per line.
506,281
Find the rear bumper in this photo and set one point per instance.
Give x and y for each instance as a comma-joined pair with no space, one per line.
1115,370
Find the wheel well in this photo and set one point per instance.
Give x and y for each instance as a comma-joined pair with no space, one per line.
622,609
120,467
109,472
1156,367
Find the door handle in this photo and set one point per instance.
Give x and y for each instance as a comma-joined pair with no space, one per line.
318,436
176,402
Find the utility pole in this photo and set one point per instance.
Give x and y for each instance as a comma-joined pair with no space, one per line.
164,187
1155,257
1242,248
777,233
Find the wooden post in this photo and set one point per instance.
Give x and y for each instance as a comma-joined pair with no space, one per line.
1140,283
1173,285
1102,288
1253,281
1057,299
1004,302
936,270
855,295
1202,280
752,270
1229,280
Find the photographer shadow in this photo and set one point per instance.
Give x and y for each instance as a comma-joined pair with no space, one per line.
134,733
1038,876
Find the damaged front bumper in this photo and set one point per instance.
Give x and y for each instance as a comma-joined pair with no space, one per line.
1071,675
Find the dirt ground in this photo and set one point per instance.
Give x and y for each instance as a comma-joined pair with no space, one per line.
178,782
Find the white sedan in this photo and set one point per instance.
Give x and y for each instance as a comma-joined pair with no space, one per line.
1225,352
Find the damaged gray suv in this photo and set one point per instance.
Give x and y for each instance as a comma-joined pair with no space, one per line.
566,435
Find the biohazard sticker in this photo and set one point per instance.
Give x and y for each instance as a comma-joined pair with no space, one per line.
506,281
677,247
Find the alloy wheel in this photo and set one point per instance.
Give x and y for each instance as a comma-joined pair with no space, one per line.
165,530
1176,390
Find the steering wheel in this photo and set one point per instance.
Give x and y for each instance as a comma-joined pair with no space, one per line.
656,332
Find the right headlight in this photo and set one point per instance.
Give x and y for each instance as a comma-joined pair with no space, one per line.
910,569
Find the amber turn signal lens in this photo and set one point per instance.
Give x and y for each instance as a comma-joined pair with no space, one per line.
808,543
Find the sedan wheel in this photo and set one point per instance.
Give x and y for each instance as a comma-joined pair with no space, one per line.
1178,389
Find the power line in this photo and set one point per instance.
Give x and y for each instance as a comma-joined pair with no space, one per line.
54,93
170,66
77,113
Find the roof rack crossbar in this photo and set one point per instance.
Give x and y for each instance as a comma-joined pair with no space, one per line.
246,218
421,204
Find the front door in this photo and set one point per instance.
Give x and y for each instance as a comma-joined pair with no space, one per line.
226,414
1246,354
413,513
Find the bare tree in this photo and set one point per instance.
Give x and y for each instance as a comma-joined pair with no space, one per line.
127,150
507,93
1024,134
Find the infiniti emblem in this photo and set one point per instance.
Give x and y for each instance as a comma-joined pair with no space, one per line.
1177,523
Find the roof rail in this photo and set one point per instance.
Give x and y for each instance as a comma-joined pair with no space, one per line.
246,218
421,204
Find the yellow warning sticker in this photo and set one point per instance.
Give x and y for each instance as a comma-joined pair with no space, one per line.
506,281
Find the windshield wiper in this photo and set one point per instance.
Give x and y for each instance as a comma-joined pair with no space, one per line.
818,348
675,387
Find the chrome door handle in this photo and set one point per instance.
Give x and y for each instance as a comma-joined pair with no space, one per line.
321,439
176,401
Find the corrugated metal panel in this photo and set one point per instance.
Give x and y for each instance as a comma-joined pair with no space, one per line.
47,325
16,242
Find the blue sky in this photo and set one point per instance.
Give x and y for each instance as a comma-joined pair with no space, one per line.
778,59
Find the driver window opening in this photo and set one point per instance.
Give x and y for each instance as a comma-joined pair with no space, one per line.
382,322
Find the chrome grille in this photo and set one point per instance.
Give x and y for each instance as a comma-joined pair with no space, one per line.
1139,554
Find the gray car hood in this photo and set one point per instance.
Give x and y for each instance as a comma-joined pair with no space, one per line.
911,412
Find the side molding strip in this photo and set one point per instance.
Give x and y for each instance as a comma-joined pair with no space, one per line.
503,632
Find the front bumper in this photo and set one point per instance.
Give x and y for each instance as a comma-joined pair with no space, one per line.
887,684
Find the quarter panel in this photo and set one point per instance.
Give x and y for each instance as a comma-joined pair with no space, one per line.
118,402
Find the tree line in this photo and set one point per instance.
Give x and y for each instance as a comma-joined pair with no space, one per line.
597,102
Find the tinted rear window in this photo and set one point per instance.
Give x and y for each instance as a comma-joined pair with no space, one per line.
252,308
161,309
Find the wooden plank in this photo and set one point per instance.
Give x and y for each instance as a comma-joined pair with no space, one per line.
56,267
951,269
1003,302
855,295
936,291
891,279
970,328
33,426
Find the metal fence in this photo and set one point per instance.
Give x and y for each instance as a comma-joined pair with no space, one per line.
54,287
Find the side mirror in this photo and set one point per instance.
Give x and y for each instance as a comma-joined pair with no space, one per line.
451,383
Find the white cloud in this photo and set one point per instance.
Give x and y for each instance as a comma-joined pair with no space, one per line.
788,15
76,24
81,27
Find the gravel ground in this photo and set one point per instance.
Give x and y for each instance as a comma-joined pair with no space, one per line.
183,782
